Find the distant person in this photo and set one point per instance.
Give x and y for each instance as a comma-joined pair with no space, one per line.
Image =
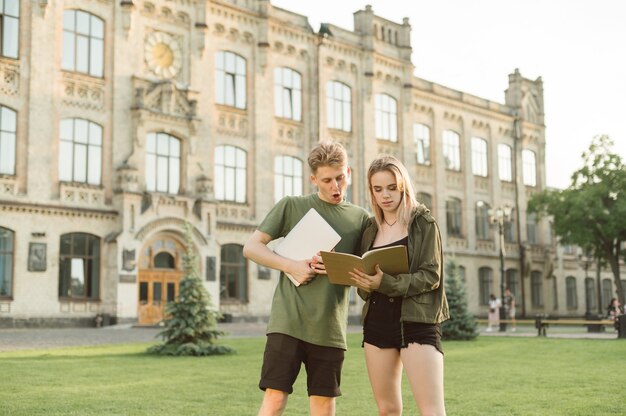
308,323
494,312
614,309
402,313
509,306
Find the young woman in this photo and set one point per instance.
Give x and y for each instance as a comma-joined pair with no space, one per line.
402,314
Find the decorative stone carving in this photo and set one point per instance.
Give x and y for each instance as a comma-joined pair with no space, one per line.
232,123
127,179
83,92
164,97
9,78
81,194
204,187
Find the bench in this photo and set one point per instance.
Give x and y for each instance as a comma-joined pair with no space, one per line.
543,323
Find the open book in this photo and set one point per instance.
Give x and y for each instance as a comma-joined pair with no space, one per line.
310,235
392,260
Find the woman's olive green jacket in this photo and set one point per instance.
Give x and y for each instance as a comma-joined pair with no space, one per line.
422,288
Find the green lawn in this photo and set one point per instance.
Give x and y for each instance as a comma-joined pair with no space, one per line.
489,376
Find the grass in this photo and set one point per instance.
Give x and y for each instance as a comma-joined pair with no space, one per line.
492,375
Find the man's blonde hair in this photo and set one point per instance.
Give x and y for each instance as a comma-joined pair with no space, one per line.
397,169
327,153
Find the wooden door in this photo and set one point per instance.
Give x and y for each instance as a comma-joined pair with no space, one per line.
156,288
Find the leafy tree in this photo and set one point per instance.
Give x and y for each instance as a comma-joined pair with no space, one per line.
461,325
591,212
190,326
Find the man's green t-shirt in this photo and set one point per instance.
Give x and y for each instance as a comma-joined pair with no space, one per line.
316,312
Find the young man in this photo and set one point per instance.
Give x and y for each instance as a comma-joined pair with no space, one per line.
308,323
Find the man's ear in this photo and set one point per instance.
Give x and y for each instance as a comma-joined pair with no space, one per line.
349,172
314,179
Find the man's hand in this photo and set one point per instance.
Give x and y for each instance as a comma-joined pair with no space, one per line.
300,270
318,264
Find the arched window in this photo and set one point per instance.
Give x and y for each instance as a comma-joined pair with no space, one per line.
536,289
454,221
421,137
10,25
162,163
482,221
80,151
287,94
572,296
8,128
485,284
164,260
479,157
7,252
230,80
287,177
338,106
83,43
79,266
386,117
452,150
233,274
230,174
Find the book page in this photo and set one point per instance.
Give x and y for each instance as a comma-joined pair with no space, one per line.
392,260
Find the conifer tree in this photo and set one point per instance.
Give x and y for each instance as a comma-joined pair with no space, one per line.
191,323
461,325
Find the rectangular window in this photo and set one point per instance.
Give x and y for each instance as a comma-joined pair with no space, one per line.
7,140
9,28
83,43
452,150
230,174
482,221
505,165
479,157
529,167
230,82
532,232
386,117
287,94
421,137
287,177
338,106
453,217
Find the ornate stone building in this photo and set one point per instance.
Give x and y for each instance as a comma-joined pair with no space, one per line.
120,121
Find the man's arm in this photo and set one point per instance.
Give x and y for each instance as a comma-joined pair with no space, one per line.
256,250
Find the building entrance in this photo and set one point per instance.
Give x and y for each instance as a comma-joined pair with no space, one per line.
160,272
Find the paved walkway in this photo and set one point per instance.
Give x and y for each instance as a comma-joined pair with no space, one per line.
28,339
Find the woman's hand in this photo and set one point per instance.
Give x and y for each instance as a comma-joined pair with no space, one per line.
366,281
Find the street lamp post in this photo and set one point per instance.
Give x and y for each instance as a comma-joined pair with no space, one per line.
499,216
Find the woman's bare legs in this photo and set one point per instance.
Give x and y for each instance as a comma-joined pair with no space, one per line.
385,372
424,369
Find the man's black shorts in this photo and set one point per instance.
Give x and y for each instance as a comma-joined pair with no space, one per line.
284,356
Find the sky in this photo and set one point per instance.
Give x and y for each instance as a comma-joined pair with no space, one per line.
577,47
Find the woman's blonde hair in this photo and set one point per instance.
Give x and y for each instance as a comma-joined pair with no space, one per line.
408,203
